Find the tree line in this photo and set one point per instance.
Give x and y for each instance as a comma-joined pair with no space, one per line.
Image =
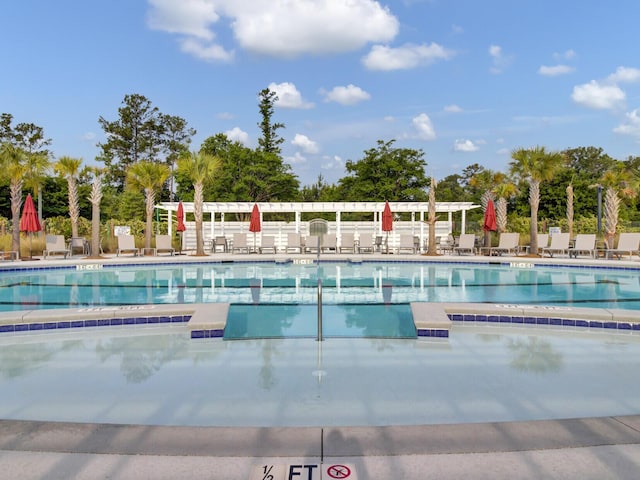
148,157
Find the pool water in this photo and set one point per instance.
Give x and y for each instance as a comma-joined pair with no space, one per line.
343,283
159,376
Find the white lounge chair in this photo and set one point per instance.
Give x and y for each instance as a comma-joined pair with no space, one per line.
219,244
127,244
294,242
466,244
628,244
347,243
163,244
407,243
240,243
365,242
559,244
543,242
585,245
329,243
508,244
268,242
55,245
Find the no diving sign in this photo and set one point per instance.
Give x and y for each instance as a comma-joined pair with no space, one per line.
304,471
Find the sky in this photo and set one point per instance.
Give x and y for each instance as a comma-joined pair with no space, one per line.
465,81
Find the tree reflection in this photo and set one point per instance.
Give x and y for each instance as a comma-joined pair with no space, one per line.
534,355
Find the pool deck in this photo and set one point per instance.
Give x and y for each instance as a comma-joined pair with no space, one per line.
591,448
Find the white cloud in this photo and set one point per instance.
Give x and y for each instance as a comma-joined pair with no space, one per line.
598,96
382,57
281,28
422,123
632,125
452,109
566,55
225,116
305,144
555,70
296,159
465,146
331,163
503,151
500,61
349,95
625,74
289,96
237,135
205,50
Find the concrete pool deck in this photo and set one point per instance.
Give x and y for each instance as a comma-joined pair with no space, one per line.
596,448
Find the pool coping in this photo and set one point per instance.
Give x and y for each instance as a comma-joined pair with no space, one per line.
318,442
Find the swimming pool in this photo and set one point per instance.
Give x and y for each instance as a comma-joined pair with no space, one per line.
343,283
160,376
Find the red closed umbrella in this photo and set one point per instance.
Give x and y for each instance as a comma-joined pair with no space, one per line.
489,223
181,227
254,224
29,222
387,221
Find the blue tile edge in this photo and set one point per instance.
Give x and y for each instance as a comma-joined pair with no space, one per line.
433,332
562,322
214,333
100,322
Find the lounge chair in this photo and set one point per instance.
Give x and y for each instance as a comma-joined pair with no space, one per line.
55,245
8,255
240,243
219,244
294,242
78,243
329,243
585,245
347,243
543,242
127,244
163,244
365,243
559,244
407,243
268,242
628,244
466,244
508,244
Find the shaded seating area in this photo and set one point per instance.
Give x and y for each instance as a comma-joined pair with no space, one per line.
55,245
559,245
507,245
466,244
585,244
163,245
628,244
127,244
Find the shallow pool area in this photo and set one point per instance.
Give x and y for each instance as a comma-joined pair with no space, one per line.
156,375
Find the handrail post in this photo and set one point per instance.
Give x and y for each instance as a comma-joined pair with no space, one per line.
320,309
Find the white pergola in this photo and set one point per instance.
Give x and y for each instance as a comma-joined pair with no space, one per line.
218,210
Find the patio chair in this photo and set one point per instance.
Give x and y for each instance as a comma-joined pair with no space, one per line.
329,243
466,244
347,243
543,242
406,243
268,242
78,243
55,245
163,244
8,255
219,244
628,244
508,244
559,244
294,242
127,244
240,243
365,243
585,245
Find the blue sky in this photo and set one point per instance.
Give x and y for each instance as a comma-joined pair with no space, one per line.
467,81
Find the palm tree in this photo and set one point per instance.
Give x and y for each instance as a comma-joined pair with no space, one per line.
200,168
619,182
69,168
570,199
38,166
432,250
150,177
535,165
13,167
95,198
503,191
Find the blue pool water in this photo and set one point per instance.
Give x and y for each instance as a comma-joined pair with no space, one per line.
343,284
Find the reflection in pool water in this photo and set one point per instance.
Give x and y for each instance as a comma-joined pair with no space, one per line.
158,375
